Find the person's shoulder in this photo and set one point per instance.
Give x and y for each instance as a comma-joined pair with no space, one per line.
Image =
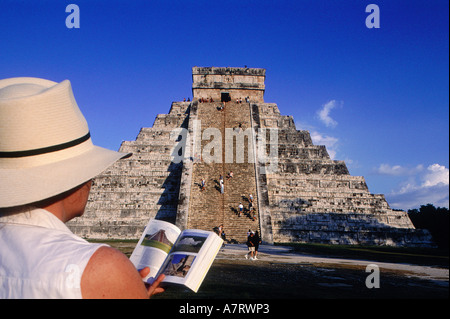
110,274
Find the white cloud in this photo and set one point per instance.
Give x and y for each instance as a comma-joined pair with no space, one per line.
430,186
436,174
324,113
397,170
413,197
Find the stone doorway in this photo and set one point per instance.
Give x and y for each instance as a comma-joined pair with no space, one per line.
225,97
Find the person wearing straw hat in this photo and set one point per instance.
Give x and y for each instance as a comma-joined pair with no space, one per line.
47,163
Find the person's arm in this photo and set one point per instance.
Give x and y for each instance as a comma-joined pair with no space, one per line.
110,274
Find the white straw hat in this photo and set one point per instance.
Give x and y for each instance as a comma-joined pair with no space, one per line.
45,144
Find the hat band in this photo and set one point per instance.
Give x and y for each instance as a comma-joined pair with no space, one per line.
46,150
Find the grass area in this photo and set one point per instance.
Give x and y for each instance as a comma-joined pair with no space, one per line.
126,246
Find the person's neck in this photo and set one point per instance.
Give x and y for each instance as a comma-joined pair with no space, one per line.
57,209
70,204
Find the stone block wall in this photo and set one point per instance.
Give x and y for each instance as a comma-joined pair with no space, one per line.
210,82
312,198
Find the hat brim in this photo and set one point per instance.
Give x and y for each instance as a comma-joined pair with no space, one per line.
29,185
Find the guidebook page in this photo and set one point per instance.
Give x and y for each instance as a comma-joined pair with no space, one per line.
191,257
153,247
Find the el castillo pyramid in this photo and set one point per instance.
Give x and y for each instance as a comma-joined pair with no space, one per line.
298,193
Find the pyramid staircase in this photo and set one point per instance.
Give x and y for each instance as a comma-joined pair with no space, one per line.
209,208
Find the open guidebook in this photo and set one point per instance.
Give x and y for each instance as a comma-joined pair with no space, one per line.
184,257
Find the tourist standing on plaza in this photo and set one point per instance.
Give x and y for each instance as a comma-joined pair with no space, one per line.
257,241
251,246
47,163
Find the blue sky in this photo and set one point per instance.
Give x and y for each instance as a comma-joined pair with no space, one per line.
377,98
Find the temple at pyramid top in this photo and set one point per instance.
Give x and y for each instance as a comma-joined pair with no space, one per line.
228,84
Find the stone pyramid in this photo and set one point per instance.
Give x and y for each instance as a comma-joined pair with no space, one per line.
290,189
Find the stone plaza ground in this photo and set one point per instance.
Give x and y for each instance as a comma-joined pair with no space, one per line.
284,272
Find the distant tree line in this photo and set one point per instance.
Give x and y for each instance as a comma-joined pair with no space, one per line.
435,220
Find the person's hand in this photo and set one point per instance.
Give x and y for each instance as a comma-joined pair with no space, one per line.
154,288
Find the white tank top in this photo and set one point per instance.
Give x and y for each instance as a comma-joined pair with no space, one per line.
40,257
